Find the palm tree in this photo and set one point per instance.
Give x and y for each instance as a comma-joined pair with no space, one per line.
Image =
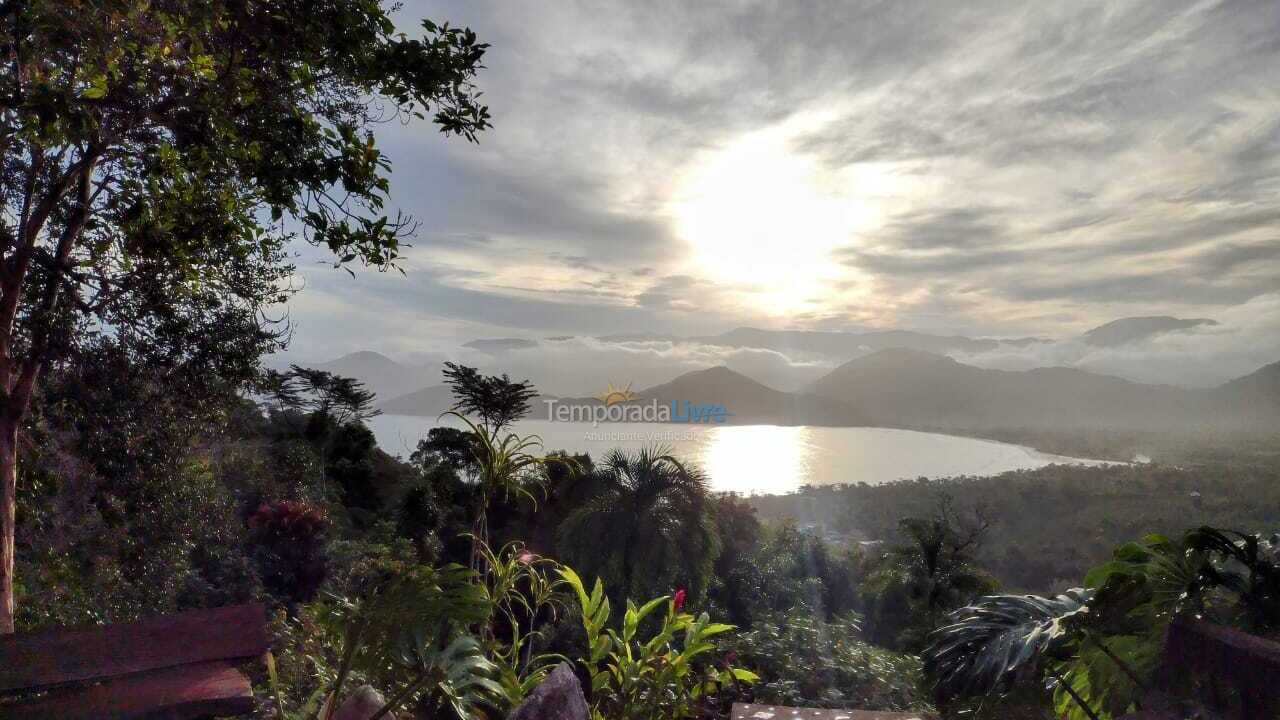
932,572
504,467
649,528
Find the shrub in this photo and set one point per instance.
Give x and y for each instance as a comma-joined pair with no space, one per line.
665,677
287,542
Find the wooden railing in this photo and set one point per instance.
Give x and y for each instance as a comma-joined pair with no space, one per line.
176,667
1235,674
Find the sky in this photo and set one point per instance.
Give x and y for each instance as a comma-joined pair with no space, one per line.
978,168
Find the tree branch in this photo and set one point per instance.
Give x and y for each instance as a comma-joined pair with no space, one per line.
20,395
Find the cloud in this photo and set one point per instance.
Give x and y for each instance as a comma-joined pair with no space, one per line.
579,365
1246,338
1013,169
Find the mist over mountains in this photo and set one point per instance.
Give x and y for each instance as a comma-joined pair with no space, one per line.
916,389
882,378
1187,352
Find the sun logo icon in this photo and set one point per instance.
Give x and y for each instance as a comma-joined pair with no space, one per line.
614,395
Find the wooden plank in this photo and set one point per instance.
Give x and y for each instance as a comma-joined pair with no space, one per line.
1260,650
182,693
96,653
748,711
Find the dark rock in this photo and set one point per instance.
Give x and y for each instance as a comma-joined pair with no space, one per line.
360,705
558,697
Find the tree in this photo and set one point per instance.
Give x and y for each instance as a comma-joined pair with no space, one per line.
453,448
648,529
159,156
337,399
126,518
929,574
496,400
504,468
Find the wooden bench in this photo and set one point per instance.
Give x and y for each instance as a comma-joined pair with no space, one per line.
175,667
1230,673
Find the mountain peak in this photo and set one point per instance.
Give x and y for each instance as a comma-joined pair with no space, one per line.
361,356
718,379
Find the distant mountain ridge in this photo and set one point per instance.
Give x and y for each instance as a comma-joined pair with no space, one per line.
912,383
384,376
428,402
914,389
917,389
746,400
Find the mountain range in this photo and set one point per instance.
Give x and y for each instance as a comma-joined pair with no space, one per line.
911,388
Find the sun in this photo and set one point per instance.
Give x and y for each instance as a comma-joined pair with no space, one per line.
759,216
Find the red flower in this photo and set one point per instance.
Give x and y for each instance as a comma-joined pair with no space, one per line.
526,558
678,599
730,658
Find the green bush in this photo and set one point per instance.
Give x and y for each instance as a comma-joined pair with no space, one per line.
807,661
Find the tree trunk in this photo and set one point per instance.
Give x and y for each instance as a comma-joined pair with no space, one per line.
8,512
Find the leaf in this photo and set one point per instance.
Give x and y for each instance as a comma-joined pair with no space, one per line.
988,646
96,89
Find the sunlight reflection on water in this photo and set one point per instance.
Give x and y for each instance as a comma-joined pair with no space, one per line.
752,459
773,457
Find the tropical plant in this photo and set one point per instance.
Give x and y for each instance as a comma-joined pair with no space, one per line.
1099,646
454,671
1241,583
525,590
649,527
664,677
928,574
504,468
413,635
989,646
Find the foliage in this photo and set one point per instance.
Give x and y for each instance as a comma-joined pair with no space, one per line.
411,635
989,646
1099,647
497,401
340,400
126,518
287,541
806,660
444,639
458,672
930,573
446,447
659,678
504,468
159,156
1051,525
649,527
525,591
1245,570
766,570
